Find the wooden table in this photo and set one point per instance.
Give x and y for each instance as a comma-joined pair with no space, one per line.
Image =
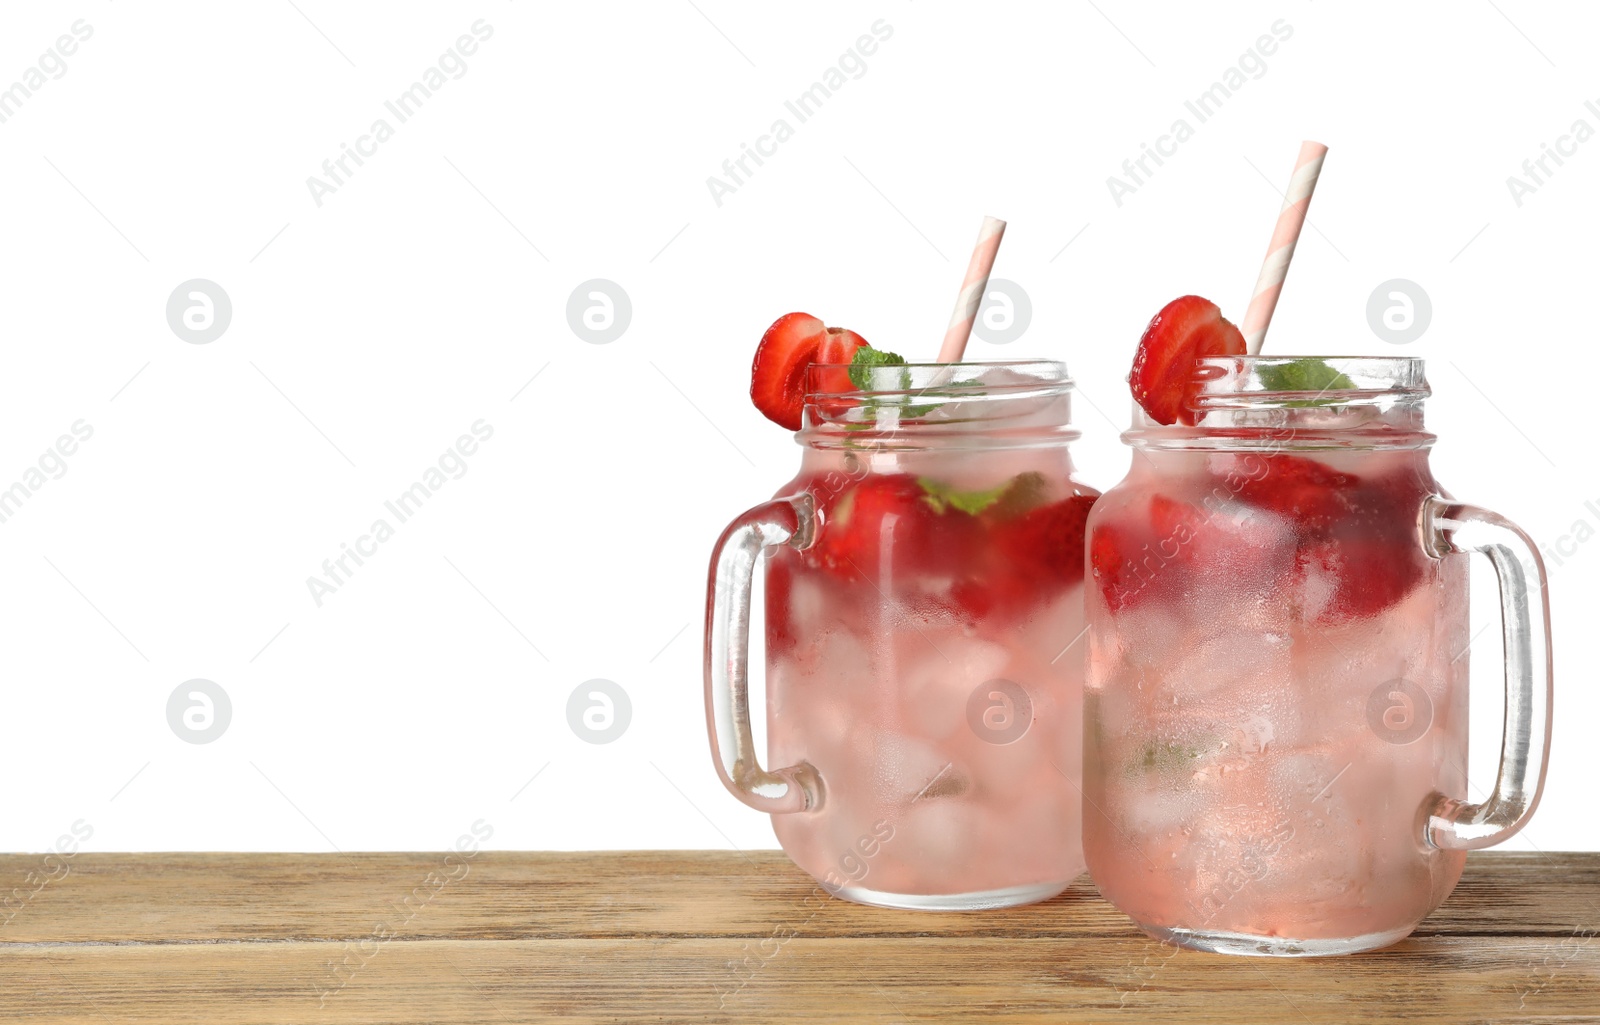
720,937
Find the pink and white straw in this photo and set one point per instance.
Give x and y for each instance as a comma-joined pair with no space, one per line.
1281,250
972,288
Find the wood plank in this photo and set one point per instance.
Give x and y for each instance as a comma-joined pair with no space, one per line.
898,979
725,937
505,896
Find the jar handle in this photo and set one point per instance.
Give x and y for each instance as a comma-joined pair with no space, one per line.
1450,527
787,521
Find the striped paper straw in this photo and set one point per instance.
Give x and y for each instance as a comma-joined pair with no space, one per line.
972,289
1281,250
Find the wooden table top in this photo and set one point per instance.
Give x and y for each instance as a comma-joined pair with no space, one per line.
720,937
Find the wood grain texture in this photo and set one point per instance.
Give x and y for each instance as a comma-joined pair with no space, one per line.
713,937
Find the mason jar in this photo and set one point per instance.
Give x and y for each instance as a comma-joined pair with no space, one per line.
924,662
1276,702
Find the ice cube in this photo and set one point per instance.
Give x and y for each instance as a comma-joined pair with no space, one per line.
1000,392
939,835
1150,808
1239,672
937,684
906,766
1322,841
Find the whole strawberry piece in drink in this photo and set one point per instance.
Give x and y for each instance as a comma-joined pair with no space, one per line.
781,633
1047,542
1310,494
787,349
1115,551
1037,550
1369,556
1188,547
1188,328
1389,506
1143,549
1180,529
1357,578
1183,553
885,526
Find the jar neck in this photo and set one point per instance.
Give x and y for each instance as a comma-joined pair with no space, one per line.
1260,403
945,407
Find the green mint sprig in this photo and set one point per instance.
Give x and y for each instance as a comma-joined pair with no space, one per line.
1020,493
1306,375
866,360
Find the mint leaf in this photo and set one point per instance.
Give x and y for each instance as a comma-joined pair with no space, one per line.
1020,492
1025,491
943,497
1305,375
867,358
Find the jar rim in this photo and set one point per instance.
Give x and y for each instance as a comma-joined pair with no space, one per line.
1260,379
906,406
1296,402
920,379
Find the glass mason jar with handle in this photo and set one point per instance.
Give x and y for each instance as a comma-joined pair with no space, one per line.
1276,698
924,612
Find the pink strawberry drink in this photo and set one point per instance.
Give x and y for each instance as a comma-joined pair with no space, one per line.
923,600
1276,702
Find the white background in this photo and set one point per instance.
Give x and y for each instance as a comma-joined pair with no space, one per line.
425,293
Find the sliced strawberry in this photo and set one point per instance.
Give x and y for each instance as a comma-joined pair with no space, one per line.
778,375
1308,493
1188,328
839,347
